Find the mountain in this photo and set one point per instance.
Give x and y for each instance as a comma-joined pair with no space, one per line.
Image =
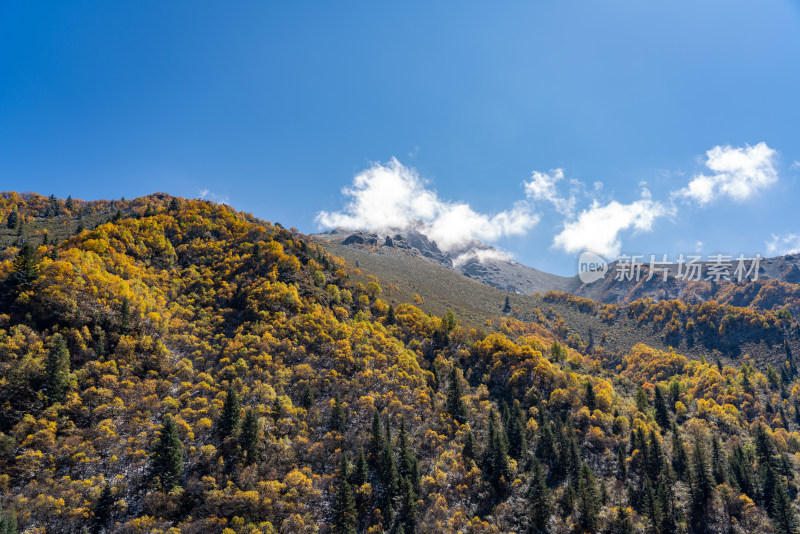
475,260
775,288
173,365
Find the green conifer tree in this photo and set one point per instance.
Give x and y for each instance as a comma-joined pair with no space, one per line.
588,500
248,437
784,518
231,413
661,409
57,371
455,402
344,505
539,504
166,460
102,511
338,416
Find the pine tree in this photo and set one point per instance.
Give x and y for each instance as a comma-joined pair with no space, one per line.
642,403
591,399
588,500
13,220
390,316
702,488
507,306
495,459
308,397
539,505
622,470
680,460
717,461
8,521
376,440
408,465
24,270
57,371
166,460
100,344
231,412
455,402
769,488
248,438
517,430
344,506
468,451
784,519
338,416
622,523
661,409
102,511
407,517
360,473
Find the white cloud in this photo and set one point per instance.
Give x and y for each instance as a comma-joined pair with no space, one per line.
207,194
738,173
542,186
796,165
598,228
483,255
393,196
779,245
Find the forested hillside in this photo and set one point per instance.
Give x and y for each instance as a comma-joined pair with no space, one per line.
172,365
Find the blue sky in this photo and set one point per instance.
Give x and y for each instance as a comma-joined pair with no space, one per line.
276,107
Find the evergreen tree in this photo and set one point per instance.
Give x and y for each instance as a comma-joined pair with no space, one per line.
8,521
517,429
376,440
100,344
407,517
308,397
231,412
166,460
741,471
702,489
622,470
468,451
338,416
13,220
102,511
661,409
642,403
248,438
588,500
622,523
507,306
69,204
57,371
360,473
408,465
717,461
680,460
783,518
495,459
455,403
390,316
769,488
344,506
24,270
591,399
539,505
437,379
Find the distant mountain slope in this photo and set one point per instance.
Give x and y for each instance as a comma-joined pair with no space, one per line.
474,260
